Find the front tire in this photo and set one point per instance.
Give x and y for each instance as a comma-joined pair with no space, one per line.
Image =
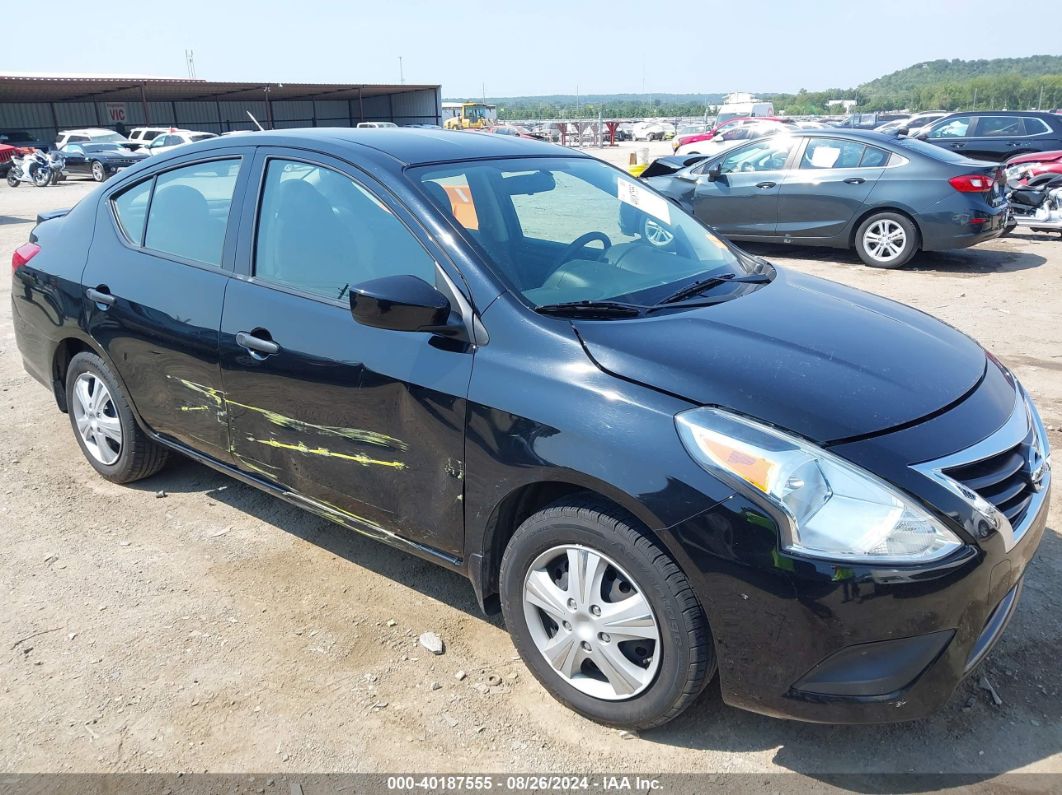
887,240
99,173
603,617
104,425
12,180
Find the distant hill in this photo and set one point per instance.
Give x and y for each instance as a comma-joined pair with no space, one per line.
931,73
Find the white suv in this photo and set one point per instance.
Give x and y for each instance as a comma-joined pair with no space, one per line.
89,135
174,138
142,136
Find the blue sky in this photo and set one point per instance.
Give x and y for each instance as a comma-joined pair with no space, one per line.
534,46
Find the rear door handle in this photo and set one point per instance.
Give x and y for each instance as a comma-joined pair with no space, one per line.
100,295
256,345
855,180
765,185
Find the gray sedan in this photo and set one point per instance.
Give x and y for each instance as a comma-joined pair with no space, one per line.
883,195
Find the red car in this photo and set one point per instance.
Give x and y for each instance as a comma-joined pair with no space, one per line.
1028,168
737,121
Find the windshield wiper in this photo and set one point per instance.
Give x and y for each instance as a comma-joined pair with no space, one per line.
714,281
602,308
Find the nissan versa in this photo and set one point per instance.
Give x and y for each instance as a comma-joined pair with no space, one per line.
659,464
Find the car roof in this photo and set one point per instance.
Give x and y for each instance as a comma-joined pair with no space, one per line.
86,131
408,145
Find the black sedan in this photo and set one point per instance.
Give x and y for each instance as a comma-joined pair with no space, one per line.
99,161
886,196
658,463
996,135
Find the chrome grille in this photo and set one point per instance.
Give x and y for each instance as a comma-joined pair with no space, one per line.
1002,479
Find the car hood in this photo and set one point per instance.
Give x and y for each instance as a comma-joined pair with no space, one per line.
811,356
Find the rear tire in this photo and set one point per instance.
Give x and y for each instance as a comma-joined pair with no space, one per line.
887,240
104,425
659,657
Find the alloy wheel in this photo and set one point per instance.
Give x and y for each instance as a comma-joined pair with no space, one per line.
885,240
97,171
97,418
657,234
591,622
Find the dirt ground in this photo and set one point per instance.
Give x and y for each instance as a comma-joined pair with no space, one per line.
218,629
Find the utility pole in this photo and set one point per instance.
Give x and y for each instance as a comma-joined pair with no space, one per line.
1040,103
401,73
189,63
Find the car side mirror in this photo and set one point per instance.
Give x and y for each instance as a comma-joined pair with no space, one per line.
403,303
922,136
714,172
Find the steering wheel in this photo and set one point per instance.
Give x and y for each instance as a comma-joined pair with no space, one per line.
580,243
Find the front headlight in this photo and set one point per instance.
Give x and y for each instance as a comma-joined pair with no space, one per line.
834,509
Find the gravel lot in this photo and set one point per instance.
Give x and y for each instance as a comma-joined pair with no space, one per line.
218,629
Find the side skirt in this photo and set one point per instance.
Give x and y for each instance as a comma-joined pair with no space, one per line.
325,511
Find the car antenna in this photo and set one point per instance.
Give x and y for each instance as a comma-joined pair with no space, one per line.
256,124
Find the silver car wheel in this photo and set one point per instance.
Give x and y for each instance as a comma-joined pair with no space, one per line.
657,234
97,418
591,622
97,171
885,240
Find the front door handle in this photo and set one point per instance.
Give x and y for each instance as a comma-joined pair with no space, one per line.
256,345
855,180
765,185
101,296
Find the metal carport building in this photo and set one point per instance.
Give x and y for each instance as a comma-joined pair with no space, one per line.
42,105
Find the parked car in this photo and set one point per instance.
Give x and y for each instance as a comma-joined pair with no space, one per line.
656,130
1033,168
142,136
505,129
658,463
728,124
869,121
22,138
913,124
729,137
95,135
996,135
370,125
885,196
175,138
7,154
99,161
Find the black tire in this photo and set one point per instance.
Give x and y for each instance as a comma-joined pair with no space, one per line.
140,456
12,180
99,172
686,651
911,240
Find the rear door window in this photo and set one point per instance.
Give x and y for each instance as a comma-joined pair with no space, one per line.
190,210
999,127
130,207
832,153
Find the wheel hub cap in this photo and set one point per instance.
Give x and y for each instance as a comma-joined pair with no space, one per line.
885,240
591,622
97,419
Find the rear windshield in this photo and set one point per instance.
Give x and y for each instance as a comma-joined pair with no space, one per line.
929,150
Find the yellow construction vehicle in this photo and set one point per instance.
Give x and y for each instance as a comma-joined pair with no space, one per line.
468,115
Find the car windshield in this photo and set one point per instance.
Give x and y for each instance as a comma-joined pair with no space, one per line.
94,147
567,229
108,137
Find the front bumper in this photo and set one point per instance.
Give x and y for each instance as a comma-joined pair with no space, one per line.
825,643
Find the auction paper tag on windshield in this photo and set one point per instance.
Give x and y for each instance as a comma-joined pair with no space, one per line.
646,201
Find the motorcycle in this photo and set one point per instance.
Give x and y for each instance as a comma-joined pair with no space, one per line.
57,164
1037,205
34,168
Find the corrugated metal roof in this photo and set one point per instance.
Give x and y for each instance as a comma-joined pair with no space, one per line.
58,88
